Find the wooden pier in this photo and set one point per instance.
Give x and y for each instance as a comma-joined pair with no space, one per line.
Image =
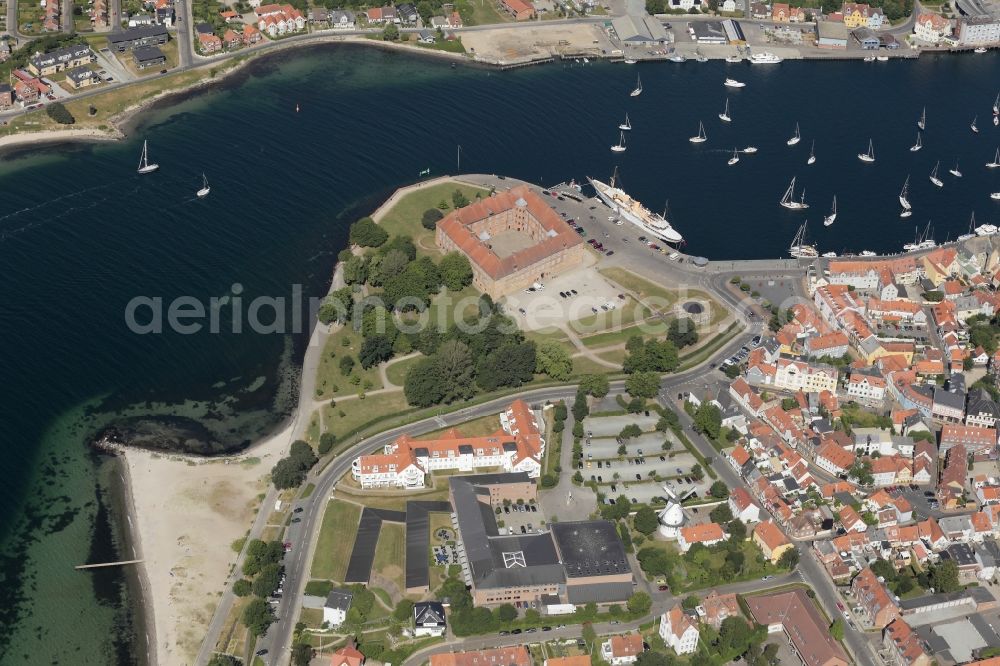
99,565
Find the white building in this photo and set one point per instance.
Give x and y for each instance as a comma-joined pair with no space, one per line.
931,28
678,631
866,387
978,31
622,650
671,519
338,602
792,375
428,619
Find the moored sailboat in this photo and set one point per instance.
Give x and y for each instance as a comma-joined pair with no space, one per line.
832,217
934,177
205,189
795,137
627,125
799,249
724,116
620,148
996,161
735,158
788,201
638,87
922,123
955,172
918,145
701,138
973,126
812,153
868,156
144,165
904,200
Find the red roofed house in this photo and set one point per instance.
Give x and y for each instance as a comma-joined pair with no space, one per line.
851,521
347,656
505,656
831,344
209,43
621,650
742,506
521,10
498,268
871,594
771,540
834,458
973,438
678,631
904,644
707,534
251,35
232,39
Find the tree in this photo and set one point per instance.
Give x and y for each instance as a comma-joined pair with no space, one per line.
458,199
719,490
422,386
944,576
630,431
682,333
291,471
708,420
267,580
326,442
257,616
336,306
580,407
652,658
390,32
403,610
643,384
59,113
654,561
455,366
242,587
697,473
737,530
391,264
789,559
224,660
506,613
552,359
365,232
260,553
837,629
513,364
456,272
721,513
639,603
668,421
302,654
588,634
645,521
430,218
374,350
595,385
788,404
356,270
346,364
690,602
861,471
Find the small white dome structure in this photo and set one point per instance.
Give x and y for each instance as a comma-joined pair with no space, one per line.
671,519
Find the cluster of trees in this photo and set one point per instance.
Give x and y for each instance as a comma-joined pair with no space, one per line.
291,471
650,355
943,577
861,472
983,333
263,565
59,113
708,420
682,333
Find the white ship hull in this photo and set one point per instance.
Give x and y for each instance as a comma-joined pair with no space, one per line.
766,58
635,213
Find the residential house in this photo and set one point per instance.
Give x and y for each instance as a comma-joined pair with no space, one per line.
771,540
349,655
232,39
833,345
780,12
133,38
866,386
251,35
981,409
428,619
678,631
715,608
743,506
58,60
975,439
795,614
707,534
210,43
905,646
6,96
342,19
834,459
81,77
948,406
338,602
148,56
516,655
621,650
851,521
875,600
758,11
521,10
981,30
951,485
407,13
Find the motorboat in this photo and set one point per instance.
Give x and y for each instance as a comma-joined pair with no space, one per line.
882,58
869,58
750,150
765,58
867,253
734,58
733,83
829,255
986,229
980,49
677,57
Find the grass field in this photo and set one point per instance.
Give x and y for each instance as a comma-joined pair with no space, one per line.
622,335
484,425
639,286
584,366
336,538
359,412
404,217
390,553
396,372
628,312
330,382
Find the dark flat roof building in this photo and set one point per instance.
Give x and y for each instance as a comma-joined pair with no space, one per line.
144,35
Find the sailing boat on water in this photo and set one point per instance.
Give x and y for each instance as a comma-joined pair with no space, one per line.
922,123
918,145
795,137
144,165
971,233
724,116
620,148
923,241
904,200
996,105
812,153
799,249
638,87
934,176
829,219
955,172
205,189
788,201
868,156
996,161
735,158
975,130
701,138
627,125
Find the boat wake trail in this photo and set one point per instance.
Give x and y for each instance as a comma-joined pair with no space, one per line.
7,234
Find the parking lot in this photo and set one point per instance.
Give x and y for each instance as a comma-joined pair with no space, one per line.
556,303
610,426
520,518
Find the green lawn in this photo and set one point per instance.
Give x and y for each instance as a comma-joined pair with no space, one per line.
356,413
584,366
481,12
485,425
628,312
390,553
451,46
404,217
622,335
396,372
336,538
639,286
330,381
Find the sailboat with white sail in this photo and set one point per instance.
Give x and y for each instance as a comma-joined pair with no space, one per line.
627,125
205,189
788,201
795,137
735,158
934,175
955,172
832,217
996,110
922,123
638,87
620,148
701,138
973,126
812,153
144,165
904,200
799,249
996,161
868,156
918,145
724,116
